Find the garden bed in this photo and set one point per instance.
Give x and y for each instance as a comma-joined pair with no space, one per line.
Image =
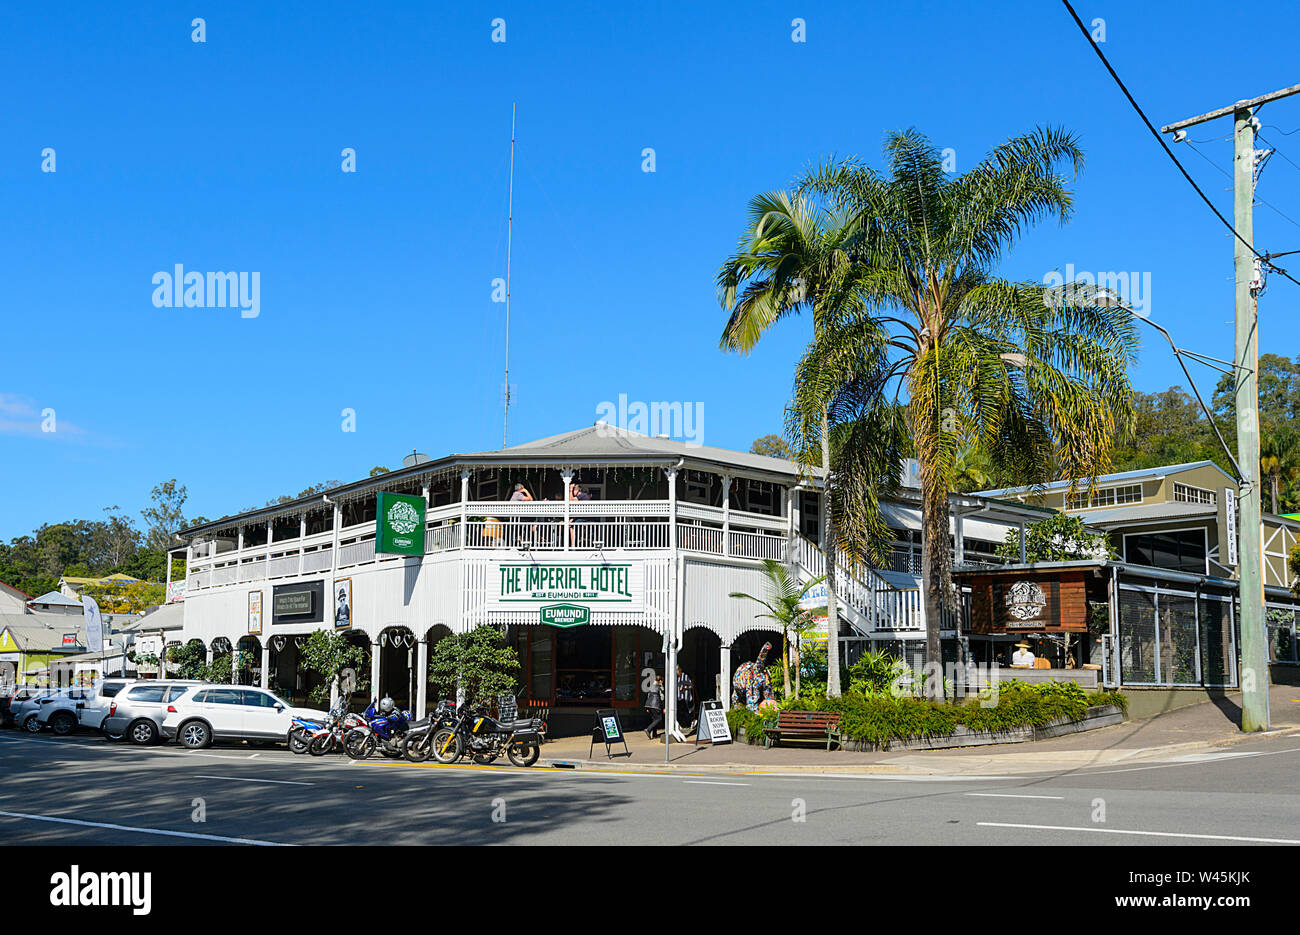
872,722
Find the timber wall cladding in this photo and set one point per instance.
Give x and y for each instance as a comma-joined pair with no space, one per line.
1065,608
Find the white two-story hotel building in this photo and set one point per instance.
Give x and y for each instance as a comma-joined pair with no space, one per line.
589,592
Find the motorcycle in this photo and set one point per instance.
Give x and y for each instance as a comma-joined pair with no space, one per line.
417,745
484,738
382,732
330,736
301,732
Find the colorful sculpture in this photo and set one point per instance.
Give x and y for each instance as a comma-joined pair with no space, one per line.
751,686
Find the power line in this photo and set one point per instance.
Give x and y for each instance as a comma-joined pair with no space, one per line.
1284,156
1165,146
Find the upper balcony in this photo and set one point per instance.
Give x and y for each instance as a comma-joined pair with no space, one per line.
476,526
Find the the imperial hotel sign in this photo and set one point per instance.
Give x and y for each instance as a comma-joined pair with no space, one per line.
529,585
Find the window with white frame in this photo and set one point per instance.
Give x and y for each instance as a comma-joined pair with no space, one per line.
699,485
1185,493
760,497
1105,496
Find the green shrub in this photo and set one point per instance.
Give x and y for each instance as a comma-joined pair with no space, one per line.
882,719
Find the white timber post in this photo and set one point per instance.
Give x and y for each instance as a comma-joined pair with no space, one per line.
266,664
464,508
726,514
302,537
422,677
567,475
724,677
670,676
958,538
376,645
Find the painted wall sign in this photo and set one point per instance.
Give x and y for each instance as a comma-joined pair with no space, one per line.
597,585
399,524
342,603
298,603
254,612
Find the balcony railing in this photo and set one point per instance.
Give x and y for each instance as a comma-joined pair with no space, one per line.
609,525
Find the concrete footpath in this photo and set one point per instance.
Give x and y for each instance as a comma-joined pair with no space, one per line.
1187,731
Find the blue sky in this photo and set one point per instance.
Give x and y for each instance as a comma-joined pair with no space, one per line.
376,285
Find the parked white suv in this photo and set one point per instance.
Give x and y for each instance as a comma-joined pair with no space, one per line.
65,711
25,707
205,713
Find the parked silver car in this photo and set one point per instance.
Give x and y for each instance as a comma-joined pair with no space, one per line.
24,709
137,712
85,706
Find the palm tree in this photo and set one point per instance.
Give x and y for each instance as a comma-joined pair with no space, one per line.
1279,457
784,592
793,257
1036,378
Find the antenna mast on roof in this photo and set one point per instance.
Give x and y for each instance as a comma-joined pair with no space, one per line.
510,225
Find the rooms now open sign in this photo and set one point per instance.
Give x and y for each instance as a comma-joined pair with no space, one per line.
597,585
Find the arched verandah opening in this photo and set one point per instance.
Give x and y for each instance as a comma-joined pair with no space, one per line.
394,665
432,637
248,661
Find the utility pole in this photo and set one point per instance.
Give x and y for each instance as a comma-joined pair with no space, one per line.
1254,674
510,230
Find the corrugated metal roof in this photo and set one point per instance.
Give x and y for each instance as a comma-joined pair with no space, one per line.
601,440
54,597
1172,509
1109,478
40,633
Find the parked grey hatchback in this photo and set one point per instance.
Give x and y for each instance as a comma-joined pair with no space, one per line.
137,713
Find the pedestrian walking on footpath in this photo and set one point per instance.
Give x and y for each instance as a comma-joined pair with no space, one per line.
654,705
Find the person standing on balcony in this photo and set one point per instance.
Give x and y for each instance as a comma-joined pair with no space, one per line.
520,495
576,493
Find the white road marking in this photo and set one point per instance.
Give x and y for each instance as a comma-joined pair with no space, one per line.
278,782
1135,769
122,748
1208,757
160,831
1008,795
1153,834
709,782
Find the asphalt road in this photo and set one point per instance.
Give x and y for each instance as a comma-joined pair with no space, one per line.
86,790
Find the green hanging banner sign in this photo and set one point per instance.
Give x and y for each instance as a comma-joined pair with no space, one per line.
399,524
566,615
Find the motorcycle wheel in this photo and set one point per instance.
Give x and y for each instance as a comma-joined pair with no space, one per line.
298,742
417,747
359,745
321,745
447,746
523,754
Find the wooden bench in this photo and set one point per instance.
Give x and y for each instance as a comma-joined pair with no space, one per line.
804,725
